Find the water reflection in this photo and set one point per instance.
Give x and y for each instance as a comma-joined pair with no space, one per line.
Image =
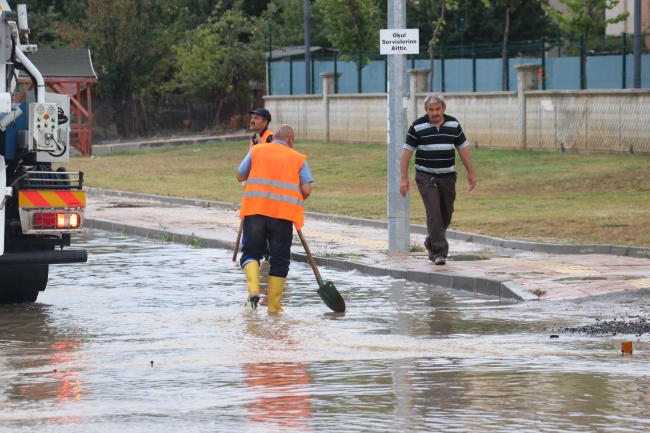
282,394
403,358
30,342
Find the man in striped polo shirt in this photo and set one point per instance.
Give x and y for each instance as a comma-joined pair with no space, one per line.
434,137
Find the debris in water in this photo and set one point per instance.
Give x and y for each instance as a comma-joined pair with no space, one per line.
555,336
626,348
250,306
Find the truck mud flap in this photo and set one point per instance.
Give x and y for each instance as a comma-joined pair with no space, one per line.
44,257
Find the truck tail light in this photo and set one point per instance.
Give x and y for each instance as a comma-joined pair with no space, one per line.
56,220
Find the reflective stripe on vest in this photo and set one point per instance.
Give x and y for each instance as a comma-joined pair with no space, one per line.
275,183
276,197
273,186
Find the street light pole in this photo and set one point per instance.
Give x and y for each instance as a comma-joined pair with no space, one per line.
398,206
637,44
307,49
462,38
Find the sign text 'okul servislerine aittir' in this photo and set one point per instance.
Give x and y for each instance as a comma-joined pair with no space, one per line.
399,41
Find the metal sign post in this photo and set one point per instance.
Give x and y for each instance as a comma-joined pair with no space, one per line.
396,42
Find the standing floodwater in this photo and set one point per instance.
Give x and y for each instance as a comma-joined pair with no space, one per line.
403,358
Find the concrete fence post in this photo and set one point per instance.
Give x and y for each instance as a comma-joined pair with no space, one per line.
418,85
527,79
328,88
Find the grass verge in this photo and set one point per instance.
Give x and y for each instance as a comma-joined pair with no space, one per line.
538,196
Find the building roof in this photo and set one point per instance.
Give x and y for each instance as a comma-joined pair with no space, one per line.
66,63
297,51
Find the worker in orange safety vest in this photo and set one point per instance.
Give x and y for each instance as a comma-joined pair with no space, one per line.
278,180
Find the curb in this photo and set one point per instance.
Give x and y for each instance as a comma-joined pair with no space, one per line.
477,285
536,247
167,142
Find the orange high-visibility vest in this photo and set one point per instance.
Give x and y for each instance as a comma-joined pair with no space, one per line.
266,137
273,185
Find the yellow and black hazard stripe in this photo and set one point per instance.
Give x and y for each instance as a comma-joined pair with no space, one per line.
43,198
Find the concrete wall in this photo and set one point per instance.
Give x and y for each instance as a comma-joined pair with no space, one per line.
352,118
608,121
591,121
305,113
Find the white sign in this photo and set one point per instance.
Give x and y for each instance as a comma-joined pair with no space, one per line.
399,41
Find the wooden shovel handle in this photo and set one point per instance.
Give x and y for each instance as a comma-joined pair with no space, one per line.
311,259
241,227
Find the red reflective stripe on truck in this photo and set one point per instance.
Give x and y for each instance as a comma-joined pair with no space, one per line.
34,197
49,198
71,199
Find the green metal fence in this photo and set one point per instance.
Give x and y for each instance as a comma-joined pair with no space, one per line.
566,63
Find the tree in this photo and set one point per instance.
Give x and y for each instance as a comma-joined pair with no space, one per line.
482,21
221,58
287,17
43,16
352,27
130,41
471,21
583,18
431,21
509,6
445,4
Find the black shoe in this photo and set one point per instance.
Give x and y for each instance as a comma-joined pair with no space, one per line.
440,260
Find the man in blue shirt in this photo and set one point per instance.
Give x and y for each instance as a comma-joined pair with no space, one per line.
271,226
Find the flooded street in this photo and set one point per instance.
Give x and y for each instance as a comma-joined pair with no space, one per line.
404,357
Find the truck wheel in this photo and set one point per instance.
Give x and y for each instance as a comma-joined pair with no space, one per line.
18,297
22,283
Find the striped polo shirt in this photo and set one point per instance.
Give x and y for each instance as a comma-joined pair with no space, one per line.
434,147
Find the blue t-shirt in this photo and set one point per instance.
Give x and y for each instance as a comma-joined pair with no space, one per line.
305,174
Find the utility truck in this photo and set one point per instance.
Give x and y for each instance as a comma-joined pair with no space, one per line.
39,207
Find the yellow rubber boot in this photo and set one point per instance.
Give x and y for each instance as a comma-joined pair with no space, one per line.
276,287
252,271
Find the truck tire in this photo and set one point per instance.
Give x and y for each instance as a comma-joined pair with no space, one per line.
22,283
18,297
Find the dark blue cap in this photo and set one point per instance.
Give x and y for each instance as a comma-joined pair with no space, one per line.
261,112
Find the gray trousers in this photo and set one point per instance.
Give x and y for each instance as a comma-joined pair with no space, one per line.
438,196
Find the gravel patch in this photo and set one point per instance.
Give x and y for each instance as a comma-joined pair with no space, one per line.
622,313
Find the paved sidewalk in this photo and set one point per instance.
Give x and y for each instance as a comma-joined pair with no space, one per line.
476,267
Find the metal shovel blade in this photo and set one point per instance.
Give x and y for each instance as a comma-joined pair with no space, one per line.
331,297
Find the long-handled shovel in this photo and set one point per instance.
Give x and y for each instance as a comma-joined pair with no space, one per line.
241,227
326,291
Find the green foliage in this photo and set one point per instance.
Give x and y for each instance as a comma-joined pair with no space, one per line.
253,8
351,25
472,21
287,18
42,31
222,57
130,42
196,243
585,17
43,16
